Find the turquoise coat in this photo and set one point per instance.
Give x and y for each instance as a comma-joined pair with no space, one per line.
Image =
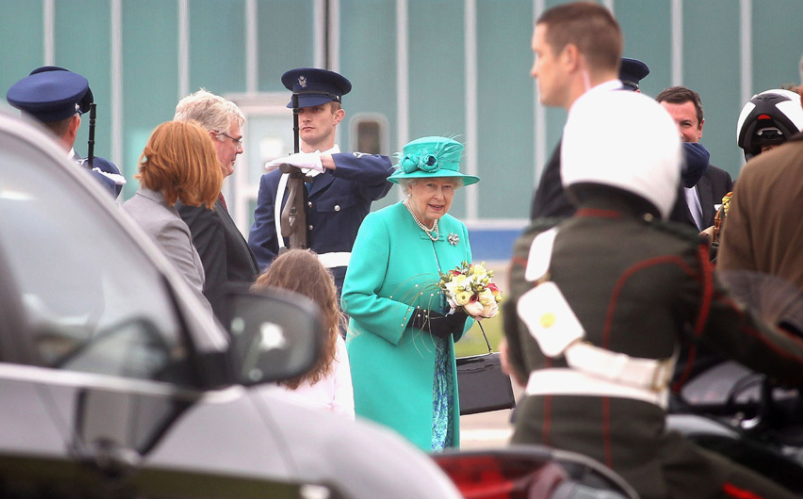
393,269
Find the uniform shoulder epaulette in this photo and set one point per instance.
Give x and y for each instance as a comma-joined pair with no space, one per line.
522,245
681,231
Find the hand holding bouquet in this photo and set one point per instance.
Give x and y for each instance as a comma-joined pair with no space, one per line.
469,287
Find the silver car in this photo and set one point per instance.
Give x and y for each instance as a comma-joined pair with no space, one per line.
112,377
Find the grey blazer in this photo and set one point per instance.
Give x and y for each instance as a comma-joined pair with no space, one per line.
165,226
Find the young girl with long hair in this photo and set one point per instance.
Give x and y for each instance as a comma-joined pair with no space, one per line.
328,384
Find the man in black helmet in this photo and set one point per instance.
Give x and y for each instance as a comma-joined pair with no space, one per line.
57,98
768,120
764,229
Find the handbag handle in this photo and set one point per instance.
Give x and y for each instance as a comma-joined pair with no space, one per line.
490,350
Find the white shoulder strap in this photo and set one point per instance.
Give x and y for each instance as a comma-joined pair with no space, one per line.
277,207
540,255
550,319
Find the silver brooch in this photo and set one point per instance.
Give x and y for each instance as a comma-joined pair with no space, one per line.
302,80
453,239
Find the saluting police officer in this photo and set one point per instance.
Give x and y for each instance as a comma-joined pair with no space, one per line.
57,98
342,187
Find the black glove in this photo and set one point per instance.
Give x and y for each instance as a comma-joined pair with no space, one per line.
438,324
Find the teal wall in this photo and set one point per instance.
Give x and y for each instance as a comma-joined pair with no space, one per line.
506,150
368,28
505,100
227,73
21,38
286,38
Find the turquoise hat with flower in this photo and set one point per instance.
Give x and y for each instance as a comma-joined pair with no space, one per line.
431,157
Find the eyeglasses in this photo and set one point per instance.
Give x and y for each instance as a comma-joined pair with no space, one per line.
238,142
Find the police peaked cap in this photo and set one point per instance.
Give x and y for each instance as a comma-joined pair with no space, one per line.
315,86
51,93
632,71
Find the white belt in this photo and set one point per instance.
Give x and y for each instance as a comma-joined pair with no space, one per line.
565,381
651,374
335,259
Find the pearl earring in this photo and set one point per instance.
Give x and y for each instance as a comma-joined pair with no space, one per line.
409,195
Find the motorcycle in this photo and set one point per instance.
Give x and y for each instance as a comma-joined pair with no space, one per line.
746,417
743,415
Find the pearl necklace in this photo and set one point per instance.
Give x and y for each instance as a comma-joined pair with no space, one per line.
422,226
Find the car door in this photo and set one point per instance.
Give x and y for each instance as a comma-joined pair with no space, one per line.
103,354
98,349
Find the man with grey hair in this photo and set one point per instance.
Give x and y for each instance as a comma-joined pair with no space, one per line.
224,252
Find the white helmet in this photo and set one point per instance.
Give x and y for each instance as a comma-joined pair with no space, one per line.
768,119
624,140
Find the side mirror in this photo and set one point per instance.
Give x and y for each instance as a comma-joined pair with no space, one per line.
275,335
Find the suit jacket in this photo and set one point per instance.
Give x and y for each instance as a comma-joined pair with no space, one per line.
764,229
337,202
394,268
224,253
163,223
711,188
550,199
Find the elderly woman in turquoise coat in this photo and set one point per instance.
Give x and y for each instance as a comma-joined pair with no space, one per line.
402,331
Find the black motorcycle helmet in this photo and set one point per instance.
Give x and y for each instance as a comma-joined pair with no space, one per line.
768,119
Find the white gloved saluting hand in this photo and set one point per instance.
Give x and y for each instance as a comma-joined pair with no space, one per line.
311,160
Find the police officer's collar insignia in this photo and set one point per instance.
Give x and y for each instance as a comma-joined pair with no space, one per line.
302,80
453,239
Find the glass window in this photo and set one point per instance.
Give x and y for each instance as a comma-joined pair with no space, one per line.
369,134
92,300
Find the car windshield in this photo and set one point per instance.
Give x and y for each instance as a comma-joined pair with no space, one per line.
81,279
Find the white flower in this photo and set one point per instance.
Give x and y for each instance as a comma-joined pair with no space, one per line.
474,308
487,298
490,310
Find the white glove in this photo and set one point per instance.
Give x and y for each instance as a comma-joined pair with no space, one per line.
311,160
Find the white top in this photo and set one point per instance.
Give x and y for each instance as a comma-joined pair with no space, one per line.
334,393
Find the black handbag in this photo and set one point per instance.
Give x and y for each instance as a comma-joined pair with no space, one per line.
481,384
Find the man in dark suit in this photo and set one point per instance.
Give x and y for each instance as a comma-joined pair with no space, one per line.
704,185
224,253
577,48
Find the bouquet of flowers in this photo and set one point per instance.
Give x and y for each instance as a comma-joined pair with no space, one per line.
469,287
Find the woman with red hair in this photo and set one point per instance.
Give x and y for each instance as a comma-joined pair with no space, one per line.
178,163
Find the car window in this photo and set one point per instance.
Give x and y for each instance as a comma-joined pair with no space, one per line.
92,300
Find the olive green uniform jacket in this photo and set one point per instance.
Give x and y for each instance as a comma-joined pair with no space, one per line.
639,287
393,269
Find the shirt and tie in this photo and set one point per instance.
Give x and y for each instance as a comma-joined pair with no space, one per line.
693,201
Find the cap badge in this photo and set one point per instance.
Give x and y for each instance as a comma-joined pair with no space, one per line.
302,80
